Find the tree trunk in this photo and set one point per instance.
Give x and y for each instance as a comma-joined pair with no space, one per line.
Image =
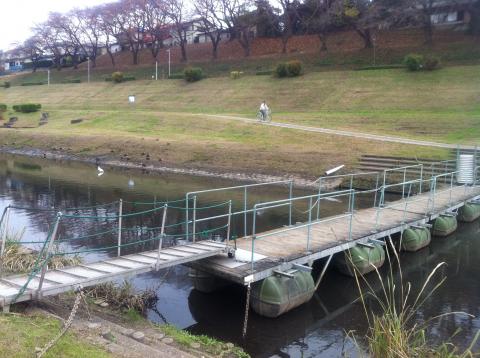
112,58
428,33
214,50
284,43
323,42
135,56
366,37
184,51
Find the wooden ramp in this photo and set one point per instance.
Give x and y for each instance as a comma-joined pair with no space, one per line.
328,236
66,279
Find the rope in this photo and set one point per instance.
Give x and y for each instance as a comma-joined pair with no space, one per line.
247,308
66,326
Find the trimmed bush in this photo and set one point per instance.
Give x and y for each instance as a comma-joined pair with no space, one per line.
294,68
6,84
177,76
431,63
75,80
117,77
32,84
3,108
27,107
281,70
264,73
193,74
414,62
235,75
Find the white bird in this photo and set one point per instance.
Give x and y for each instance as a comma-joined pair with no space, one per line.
100,170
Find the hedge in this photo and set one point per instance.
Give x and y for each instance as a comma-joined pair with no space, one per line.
264,73
75,80
193,74
3,107
32,83
177,76
27,107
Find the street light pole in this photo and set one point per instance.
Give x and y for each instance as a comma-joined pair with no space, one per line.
48,77
156,70
168,63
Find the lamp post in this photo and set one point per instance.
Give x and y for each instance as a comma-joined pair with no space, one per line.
156,70
168,63
48,77
374,40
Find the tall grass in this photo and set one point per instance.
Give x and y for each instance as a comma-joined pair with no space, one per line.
393,331
20,259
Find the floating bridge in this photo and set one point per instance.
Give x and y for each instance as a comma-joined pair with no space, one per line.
363,217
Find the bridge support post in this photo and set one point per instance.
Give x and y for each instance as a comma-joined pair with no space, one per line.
47,255
162,234
120,213
320,278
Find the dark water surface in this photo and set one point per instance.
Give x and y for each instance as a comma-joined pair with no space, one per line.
316,329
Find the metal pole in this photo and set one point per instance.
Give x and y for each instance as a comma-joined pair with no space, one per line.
323,272
186,217
168,63
245,206
351,214
156,70
48,77
194,225
421,180
376,190
88,69
120,213
309,230
229,222
254,223
318,200
47,257
2,226
162,234
290,195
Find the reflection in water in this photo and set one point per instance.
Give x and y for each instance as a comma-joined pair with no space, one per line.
317,328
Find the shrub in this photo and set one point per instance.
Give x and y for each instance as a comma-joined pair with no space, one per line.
75,80
6,84
193,74
177,76
264,73
414,62
431,63
281,70
234,75
32,83
3,107
27,107
294,68
117,77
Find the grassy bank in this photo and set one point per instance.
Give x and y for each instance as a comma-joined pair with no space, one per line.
21,334
169,119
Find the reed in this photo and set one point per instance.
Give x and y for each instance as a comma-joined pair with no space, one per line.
393,332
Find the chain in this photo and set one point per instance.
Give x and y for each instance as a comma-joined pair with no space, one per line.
66,326
247,308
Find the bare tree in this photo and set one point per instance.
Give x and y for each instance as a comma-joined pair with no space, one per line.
321,17
51,41
131,20
33,49
179,16
89,32
109,27
212,26
239,19
156,24
289,18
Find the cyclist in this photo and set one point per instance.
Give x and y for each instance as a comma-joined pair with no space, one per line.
264,110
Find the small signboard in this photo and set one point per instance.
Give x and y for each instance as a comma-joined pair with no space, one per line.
131,99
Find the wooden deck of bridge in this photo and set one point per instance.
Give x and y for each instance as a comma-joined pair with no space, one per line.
282,248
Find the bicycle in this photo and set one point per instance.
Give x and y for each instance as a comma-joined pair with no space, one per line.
266,118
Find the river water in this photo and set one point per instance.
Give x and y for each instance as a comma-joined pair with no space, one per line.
319,328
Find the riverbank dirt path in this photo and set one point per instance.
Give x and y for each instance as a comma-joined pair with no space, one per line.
343,133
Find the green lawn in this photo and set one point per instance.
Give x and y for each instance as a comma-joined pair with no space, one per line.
21,334
167,119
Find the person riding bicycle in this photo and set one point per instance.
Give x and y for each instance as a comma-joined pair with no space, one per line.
264,110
